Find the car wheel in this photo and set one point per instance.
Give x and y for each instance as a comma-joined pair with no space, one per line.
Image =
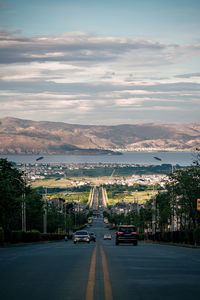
116,243
88,242
135,243
74,242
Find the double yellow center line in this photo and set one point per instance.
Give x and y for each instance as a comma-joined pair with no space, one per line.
91,279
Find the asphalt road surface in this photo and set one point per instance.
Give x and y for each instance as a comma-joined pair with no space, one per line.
95,199
101,270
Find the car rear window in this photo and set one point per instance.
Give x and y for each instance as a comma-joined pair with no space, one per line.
81,233
127,229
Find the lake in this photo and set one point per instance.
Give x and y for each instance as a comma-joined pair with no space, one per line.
141,158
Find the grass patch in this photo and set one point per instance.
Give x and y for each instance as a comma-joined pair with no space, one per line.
138,196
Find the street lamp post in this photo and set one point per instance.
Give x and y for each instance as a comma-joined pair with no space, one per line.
23,213
45,213
154,214
172,217
44,201
23,206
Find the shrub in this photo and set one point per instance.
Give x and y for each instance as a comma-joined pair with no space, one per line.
16,236
166,236
44,236
158,236
189,237
52,237
70,236
181,236
141,236
36,235
1,235
175,236
150,236
31,236
196,234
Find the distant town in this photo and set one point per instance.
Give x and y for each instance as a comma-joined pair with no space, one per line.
121,174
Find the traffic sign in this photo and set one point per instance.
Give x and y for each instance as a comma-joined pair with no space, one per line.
198,204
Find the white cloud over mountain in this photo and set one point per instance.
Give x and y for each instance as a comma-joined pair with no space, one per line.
87,78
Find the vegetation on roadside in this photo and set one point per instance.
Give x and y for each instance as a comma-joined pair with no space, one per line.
171,216
173,210
16,193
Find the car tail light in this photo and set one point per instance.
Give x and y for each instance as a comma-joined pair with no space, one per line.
119,232
134,232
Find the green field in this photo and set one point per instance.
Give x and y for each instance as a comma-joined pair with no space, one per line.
52,183
81,197
140,197
65,187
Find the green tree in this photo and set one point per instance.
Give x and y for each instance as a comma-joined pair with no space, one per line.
14,191
145,218
34,210
12,187
164,210
184,189
55,219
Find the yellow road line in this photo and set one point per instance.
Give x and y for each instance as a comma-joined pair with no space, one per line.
91,279
107,285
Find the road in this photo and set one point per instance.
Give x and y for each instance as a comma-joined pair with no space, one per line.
101,270
95,202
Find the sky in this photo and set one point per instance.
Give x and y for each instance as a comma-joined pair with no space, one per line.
101,62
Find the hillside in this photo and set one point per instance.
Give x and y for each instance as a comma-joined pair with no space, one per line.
19,136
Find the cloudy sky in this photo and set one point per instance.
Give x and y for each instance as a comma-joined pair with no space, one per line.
100,61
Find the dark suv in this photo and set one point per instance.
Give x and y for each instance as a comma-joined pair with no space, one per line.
127,234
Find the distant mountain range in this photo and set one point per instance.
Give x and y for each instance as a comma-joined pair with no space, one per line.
19,136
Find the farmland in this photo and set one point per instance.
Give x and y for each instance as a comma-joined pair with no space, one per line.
141,197
71,189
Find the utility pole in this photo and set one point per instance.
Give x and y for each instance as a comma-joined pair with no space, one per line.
154,213
23,212
154,217
172,217
45,213
23,205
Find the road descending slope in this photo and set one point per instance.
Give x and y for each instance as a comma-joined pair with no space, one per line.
101,270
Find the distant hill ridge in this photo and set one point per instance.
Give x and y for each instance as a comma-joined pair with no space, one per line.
19,136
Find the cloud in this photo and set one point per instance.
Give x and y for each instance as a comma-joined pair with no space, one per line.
86,78
189,75
78,47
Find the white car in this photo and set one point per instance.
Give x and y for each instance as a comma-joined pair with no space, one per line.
107,236
81,236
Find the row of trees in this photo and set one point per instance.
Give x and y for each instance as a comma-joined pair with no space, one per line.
15,194
172,210
177,208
